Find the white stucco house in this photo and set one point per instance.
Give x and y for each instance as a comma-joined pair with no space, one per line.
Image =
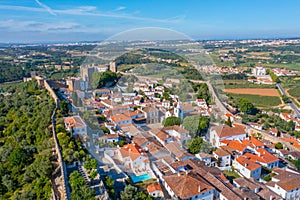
247,167
75,125
224,132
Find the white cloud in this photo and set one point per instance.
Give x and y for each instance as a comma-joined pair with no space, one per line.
13,25
47,8
92,11
120,8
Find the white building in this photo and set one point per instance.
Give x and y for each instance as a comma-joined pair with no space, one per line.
224,132
177,132
75,125
155,190
285,183
247,167
133,157
259,71
223,157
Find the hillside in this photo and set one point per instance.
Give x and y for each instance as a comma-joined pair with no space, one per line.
25,141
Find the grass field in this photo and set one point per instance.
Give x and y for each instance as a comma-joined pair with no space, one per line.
231,174
258,100
294,66
295,92
255,91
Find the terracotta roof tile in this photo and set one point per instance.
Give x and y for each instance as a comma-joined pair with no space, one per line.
250,165
187,185
154,187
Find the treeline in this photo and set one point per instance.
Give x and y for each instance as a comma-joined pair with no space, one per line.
240,76
25,142
11,72
202,91
273,76
141,56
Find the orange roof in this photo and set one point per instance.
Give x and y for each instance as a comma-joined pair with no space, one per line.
154,187
74,122
225,141
120,117
131,113
253,142
160,134
247,163
256,142
263,157
228,115
297,145
187,185
132,150
237,145
227,131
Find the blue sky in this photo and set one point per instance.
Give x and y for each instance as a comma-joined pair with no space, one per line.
78,20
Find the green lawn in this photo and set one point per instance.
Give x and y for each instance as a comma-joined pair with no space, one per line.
231,174
257,100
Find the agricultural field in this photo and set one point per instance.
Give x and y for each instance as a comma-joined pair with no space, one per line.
258,100
270,92
244,84
295,92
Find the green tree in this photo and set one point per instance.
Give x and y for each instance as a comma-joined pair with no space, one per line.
278,145
195,145
109,182
195,124
171,121
104,79
297,164
245,105
94,163
105,129
131,193
64,107
80,189
228,122
95,79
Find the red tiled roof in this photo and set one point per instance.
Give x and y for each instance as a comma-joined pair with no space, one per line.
120,117
263,157
132,150
154,187
247,163
226,131
187,185
237,145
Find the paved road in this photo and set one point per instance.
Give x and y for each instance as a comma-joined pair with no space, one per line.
292,104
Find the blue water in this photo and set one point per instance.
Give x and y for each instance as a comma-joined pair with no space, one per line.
140,178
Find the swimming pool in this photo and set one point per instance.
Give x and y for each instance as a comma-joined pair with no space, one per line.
136,179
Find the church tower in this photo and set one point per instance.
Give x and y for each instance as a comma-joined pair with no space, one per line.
178,112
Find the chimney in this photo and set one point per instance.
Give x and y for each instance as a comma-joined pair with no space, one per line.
178,174
246,164
199,188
